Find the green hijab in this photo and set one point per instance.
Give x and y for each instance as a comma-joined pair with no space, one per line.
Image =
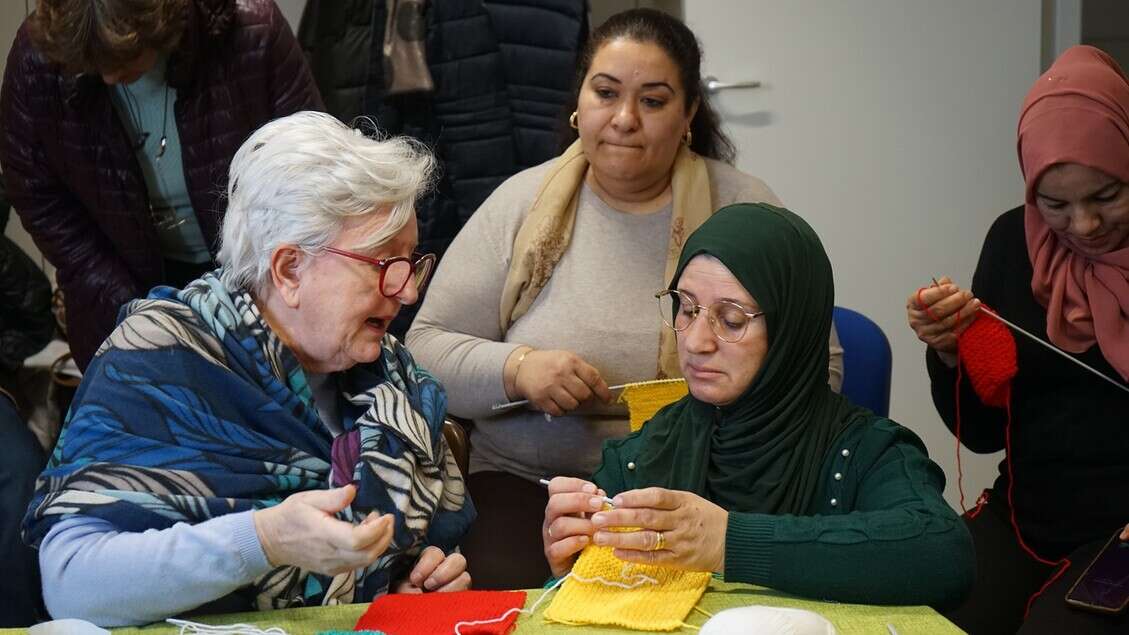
763,452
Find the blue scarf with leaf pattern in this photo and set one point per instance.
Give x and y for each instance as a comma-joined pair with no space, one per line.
193,408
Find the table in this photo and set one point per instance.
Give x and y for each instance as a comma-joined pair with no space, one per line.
849,619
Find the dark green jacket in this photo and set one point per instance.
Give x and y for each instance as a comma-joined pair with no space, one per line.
878,532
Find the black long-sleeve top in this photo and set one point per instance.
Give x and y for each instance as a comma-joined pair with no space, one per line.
1069,429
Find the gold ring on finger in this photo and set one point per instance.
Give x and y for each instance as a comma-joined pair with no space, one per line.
660,543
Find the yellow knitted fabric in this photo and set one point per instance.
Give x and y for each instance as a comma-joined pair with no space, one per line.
646,607
644,398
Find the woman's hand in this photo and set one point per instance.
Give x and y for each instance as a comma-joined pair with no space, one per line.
302,531
678,529
938,314
436,571
1125,533
556,382
567,529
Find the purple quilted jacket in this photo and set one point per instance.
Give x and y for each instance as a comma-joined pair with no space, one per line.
71,173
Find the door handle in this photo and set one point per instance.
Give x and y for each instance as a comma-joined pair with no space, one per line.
714,86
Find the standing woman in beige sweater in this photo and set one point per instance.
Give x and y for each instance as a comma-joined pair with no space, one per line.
547,294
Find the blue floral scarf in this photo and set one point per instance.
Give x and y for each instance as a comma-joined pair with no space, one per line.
193,408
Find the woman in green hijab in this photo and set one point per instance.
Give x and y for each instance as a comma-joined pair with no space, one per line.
762,473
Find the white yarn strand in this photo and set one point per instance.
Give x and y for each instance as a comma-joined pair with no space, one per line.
531,610
195,628
640,579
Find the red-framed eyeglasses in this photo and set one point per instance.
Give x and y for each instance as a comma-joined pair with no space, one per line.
395,272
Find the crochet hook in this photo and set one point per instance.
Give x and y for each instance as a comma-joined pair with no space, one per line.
545,482
514,404
1054,348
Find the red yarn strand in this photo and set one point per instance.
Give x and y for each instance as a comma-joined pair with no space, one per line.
960,469
925,307
1063,563
980,386
981,501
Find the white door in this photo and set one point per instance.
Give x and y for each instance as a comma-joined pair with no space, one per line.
890,126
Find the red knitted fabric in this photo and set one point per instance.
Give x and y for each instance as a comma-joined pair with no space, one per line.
987,350
431,613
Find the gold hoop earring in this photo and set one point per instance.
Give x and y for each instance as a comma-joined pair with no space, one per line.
688,138
572,120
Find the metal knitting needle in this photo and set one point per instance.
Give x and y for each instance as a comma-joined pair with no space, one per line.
1054,348
513,404
545,482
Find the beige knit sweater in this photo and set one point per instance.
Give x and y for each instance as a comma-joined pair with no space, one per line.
599,304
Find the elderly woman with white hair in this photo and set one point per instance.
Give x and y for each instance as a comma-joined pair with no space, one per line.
257,439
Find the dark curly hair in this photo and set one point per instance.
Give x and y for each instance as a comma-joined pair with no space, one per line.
680,44
98,35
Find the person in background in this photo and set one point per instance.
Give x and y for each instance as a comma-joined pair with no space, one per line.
119,120
762,473
546,293
480,82
1058,267
26,326
257,437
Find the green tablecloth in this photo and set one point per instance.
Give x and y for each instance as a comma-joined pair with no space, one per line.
848,618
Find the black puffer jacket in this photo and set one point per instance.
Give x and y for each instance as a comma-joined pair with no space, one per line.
26,322
72,175
539,41
502,72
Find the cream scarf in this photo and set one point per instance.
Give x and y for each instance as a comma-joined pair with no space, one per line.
544,235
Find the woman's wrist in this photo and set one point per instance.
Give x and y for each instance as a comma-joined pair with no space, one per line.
260,519
719,563
510,371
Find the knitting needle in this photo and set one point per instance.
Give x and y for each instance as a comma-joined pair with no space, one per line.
513,404
1048,345
1055,349
545,482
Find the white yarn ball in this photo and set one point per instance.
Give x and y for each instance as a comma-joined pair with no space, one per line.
767,620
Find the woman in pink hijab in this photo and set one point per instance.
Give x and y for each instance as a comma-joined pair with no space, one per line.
1058,266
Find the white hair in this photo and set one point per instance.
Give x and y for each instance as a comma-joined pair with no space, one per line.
298,178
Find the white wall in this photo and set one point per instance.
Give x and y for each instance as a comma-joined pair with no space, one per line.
890,126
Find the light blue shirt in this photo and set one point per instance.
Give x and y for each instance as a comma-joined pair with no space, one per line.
93,571
146,106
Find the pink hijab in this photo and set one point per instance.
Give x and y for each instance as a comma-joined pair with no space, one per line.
1078,112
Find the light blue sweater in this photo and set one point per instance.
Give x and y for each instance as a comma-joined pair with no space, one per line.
153,574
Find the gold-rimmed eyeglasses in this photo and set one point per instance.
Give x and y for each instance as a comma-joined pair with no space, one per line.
728,320
395,272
